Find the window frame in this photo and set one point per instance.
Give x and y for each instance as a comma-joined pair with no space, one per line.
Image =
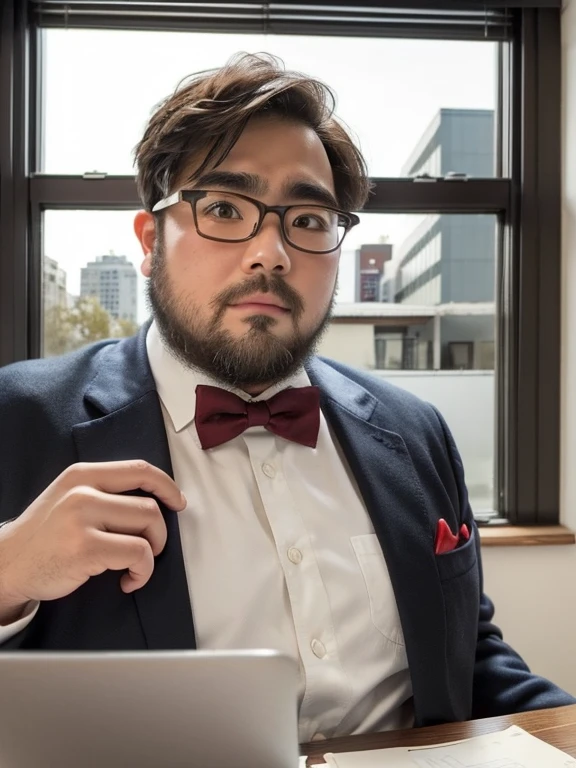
526,200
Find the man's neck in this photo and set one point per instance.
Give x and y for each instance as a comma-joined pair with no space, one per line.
256,390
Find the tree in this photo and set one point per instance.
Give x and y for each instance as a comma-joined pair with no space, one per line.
123,328
56,331
89,320
86,321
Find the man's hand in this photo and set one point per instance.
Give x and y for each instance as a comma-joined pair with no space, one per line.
81,526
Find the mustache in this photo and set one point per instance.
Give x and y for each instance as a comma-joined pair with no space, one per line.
260,284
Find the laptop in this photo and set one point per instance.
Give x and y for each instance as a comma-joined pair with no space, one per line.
165,709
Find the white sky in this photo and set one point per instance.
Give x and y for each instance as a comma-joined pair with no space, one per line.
101,87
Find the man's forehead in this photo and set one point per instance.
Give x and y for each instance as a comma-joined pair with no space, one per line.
276,152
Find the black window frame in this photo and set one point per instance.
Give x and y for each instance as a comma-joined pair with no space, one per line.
525,199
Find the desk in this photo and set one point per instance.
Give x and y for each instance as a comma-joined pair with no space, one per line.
555,726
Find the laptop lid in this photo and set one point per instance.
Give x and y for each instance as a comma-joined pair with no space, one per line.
148,710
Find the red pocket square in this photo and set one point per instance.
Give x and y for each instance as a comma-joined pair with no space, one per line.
445,540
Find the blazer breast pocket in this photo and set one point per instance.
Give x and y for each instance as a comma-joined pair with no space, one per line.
383,608
458,561
459,577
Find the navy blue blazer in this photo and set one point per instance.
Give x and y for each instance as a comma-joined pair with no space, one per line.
101,404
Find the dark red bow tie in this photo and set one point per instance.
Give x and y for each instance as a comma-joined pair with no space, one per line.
293,414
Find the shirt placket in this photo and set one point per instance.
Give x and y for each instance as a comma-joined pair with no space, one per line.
327,687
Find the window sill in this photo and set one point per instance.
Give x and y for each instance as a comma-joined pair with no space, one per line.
522,536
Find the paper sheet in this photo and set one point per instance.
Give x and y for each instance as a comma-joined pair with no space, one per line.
512,748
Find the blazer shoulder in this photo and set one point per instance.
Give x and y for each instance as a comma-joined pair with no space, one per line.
56,377
383,390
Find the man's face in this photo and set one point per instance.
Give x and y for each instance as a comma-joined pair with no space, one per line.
247,313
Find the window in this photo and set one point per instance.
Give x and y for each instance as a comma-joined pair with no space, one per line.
89,304
429,332
461,355
406,116
483,158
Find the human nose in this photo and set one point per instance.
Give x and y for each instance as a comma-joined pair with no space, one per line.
266,251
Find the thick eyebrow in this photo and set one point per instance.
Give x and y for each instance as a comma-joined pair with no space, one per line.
308,191
252,184
248,183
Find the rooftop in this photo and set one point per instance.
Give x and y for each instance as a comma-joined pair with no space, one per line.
378,309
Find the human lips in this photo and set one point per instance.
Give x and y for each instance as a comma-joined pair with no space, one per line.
261,302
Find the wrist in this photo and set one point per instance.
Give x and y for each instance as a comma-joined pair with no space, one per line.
12,604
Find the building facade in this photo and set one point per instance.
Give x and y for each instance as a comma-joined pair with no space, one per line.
451,259
53,285
370,262
113,281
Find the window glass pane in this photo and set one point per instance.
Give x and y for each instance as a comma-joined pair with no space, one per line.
92,286
416,106
415,305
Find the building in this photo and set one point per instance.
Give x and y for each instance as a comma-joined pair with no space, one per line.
456,141
53,285
370,261
385,337
451,259
113,281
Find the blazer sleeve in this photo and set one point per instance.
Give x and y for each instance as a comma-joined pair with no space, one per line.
503,683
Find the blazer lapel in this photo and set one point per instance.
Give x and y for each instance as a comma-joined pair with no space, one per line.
396,504
129,425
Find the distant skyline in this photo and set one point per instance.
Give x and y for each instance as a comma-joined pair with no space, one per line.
387,90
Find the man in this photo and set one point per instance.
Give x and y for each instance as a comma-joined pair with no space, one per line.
194,458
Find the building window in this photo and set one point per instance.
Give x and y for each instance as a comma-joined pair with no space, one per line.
461,355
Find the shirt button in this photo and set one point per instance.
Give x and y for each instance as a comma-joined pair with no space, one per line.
269,470
318,649
294,555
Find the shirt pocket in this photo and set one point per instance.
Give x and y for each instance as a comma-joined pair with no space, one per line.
383,608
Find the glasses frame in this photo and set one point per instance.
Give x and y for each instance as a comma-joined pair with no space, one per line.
193,195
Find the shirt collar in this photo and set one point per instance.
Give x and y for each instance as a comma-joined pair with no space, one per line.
176,383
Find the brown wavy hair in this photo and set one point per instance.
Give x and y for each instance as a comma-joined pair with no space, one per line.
209,110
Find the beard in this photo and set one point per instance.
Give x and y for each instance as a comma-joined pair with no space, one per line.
258,357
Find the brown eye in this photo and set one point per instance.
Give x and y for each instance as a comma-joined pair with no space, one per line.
306,221
223,211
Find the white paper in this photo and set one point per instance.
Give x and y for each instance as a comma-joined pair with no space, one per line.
373,758
512,748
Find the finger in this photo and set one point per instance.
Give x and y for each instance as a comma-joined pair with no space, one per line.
118,552
121,476
134,515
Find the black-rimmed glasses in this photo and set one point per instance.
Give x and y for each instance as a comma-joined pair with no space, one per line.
229,217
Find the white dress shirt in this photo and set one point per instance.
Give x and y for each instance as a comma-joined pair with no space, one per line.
280,553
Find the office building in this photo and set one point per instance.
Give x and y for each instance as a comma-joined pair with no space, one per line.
53,285
370,261
451,259
113,281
